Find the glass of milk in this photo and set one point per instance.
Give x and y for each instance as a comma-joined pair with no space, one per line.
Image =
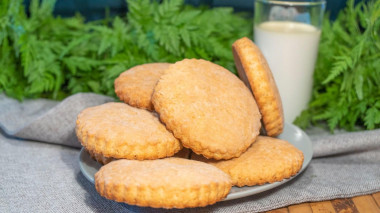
287,32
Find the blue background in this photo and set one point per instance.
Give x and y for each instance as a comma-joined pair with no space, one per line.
95,9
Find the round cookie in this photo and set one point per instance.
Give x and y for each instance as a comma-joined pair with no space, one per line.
135,86
163,183
117,130
208,108
253,69
268,160
183,153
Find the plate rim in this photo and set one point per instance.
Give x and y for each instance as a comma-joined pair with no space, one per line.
252,189
268,186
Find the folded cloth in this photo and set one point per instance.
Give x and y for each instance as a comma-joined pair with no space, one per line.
46,120
40,177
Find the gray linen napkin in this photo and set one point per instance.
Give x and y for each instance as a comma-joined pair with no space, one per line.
46,120
40,177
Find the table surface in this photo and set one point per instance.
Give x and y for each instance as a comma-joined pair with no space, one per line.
359,204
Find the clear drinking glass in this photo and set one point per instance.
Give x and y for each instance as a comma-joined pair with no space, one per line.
288,32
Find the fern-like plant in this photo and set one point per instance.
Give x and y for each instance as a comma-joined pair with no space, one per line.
52,57
346,91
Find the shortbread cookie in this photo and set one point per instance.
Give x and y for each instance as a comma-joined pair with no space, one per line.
253,69
163,183
208,108
117,130
183,153
268,160
135,86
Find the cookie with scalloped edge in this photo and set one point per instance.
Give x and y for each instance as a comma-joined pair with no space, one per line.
208,108
117,130
163,183
268,160
135,85
254,70
183,153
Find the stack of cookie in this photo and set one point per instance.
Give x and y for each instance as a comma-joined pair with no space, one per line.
188,131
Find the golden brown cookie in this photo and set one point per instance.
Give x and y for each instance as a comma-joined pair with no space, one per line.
118,130
135,86
163,183
208,108
268,160
183,153
253,69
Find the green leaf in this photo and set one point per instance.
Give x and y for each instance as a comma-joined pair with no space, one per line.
169,8
342,64
347,74
80,64
47,56
372,117
185,36
186,16
94,86
168,37
74,43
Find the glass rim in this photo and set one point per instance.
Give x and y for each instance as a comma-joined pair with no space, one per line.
294,3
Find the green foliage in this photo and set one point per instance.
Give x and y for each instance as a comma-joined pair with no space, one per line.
346,90
52,57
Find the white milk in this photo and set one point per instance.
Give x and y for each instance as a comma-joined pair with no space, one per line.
291,51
